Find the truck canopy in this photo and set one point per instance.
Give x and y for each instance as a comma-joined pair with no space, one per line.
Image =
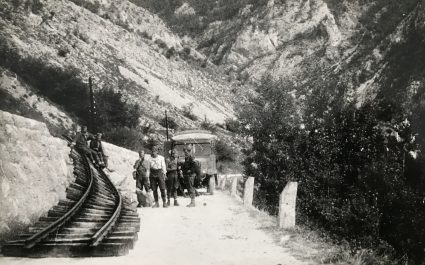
194,136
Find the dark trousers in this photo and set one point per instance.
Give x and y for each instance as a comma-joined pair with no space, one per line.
190,181
172,185
90,153
141,182
157,180
102,158
181,186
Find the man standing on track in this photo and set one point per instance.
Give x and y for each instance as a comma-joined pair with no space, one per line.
142,177
190,170
157,176
172,180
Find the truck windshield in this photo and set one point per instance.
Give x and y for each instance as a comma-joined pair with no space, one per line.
198,149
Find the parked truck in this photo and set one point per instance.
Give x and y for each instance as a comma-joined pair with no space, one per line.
202,144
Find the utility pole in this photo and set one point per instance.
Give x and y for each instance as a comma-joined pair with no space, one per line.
91,110
166,123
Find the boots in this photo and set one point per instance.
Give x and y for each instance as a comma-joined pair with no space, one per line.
192,203
176,203
165,205
168,202
156,205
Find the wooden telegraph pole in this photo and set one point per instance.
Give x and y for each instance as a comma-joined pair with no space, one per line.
92,108
166,123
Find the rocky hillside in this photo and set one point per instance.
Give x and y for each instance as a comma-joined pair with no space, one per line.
353,50
122,46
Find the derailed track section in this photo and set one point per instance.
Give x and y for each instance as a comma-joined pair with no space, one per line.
92,221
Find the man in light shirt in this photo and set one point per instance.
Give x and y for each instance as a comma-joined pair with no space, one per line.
157,176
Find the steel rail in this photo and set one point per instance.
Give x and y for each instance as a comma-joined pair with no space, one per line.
34,239
104,230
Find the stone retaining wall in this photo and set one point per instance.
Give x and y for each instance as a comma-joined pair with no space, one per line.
35,170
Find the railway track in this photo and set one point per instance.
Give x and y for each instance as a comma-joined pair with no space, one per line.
93,220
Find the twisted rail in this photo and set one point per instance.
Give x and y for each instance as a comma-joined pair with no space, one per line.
104,230
34,239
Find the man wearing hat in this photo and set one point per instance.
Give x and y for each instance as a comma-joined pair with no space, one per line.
157,176
190,170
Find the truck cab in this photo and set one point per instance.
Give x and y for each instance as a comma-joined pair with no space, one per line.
202,145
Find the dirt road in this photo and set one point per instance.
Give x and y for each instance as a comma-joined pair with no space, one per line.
220,232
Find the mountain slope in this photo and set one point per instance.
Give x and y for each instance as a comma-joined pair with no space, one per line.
123,47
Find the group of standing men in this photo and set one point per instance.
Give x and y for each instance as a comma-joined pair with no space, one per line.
157,172
150,173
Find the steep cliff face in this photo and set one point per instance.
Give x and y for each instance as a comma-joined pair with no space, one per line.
276,38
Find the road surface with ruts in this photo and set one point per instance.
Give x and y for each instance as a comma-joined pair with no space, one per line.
218,231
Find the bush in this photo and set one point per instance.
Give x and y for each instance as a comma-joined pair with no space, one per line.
232,125
92,6
63,52
357,179
145,35
129,138
170,52
206,125
224,152
36,6
172,124
114,112
161,44
188,112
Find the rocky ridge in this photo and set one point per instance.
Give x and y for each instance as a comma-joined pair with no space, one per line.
313,44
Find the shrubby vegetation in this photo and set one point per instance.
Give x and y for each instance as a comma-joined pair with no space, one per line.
130,138
232,125
188,112
63,86
206,12
360,174
112,111
224,151
209,126
171,122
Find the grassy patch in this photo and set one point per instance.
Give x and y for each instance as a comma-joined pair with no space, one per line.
317,247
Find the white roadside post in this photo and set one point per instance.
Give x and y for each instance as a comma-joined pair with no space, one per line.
223,182
234,185
287,202
211,184
248,192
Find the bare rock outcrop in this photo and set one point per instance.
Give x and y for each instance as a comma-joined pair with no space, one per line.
278,37
35,170
120,163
